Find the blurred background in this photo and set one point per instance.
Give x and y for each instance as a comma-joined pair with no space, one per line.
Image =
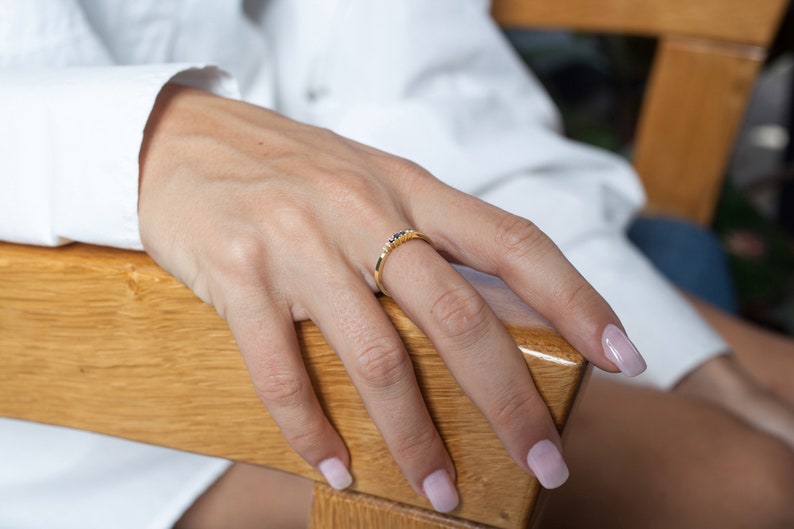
598,81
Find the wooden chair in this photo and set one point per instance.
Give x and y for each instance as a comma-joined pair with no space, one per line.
707,61
104,340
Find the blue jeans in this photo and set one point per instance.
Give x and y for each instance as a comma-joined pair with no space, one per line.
689,256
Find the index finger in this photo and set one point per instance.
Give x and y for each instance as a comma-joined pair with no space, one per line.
514,249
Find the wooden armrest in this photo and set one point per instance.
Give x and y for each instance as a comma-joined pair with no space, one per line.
105,340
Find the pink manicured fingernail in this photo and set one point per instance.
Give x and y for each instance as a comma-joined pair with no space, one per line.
335,473
547,464
441,491
622,352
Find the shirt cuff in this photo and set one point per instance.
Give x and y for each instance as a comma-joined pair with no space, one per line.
667,330
73,140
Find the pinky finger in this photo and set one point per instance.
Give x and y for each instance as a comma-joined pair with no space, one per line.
267,341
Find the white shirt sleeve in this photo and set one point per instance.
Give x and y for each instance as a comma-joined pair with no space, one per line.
69,146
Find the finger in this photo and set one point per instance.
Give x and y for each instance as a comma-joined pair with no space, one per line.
356,326
480,354
498,243
266,338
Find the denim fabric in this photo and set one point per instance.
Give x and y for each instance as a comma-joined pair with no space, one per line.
689,256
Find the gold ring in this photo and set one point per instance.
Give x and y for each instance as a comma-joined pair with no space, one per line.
401,237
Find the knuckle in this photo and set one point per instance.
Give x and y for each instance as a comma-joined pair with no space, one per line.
291,215
379,363
414,446
307,437
403,166
462,314
578,299
328,135
405,171
511,408
242,255
516,238
280,389
359,194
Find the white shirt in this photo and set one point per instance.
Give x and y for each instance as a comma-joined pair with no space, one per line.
434,82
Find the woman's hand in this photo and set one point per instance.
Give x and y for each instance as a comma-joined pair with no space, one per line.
273,221
722,382
753,382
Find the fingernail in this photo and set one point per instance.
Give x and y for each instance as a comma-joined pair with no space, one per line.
335,473
547,464
619,349
440,490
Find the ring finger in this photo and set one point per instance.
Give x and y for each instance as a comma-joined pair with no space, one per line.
354,323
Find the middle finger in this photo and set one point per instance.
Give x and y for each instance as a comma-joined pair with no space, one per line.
480,354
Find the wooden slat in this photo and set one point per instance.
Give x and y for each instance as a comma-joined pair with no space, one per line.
104,340
693,108
736,21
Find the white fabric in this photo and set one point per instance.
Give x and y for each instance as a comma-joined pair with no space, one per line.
66,479
433,81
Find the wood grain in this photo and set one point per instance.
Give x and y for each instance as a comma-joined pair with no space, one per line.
104,340
737,21
693,108
334,509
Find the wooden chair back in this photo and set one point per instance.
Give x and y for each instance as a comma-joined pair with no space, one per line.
707,60
104,340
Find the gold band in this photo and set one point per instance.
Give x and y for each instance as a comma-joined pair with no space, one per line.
401,237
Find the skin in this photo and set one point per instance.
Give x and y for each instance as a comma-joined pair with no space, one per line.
764,359
652,459
733,468
646,458
272,221
715,451
252,497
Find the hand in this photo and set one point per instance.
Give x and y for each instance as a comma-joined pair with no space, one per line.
273,221
721,381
